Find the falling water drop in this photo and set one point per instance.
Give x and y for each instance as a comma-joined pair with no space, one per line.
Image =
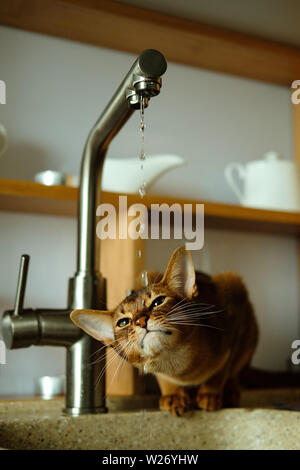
142,228
145,278
142,158
142,190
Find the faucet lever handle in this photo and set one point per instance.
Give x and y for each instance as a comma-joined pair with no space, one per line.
21,286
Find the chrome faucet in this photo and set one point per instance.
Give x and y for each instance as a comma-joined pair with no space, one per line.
22,328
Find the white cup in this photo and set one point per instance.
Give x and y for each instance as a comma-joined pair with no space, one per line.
49,387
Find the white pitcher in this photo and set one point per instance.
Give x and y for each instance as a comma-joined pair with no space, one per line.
269,183
124,175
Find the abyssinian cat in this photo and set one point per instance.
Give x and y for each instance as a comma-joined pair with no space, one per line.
194,332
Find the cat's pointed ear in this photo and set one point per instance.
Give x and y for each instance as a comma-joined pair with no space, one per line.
96,323
180,273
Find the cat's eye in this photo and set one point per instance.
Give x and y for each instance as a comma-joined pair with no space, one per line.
123,322
158,301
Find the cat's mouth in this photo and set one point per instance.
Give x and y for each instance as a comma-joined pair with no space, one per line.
154,330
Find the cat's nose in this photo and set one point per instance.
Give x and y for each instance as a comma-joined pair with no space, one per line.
142,320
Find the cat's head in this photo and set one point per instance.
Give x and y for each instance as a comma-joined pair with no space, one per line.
149,324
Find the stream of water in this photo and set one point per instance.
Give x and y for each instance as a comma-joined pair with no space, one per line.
142,188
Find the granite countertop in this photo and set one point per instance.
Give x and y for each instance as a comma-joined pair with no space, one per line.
40,424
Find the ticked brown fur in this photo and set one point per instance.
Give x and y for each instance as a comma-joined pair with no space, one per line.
194,332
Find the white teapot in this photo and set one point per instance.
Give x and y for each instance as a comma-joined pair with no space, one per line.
269,183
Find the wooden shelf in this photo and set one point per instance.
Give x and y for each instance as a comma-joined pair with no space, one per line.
34,198
116,26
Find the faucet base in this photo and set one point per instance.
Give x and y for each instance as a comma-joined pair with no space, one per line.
74,411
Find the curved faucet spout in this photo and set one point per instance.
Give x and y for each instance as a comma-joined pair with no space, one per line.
87,288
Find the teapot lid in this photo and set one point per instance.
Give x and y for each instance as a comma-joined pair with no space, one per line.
271,156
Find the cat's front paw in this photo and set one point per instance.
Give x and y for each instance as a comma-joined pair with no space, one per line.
178,403
209,401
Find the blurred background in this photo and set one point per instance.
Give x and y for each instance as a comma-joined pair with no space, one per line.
56,89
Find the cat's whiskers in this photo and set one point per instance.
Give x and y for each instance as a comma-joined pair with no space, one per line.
193,308
130,347
109,361
178,303
99,350
189,306
104,346
114,353
127,348
186,323
193,314
190,302
186,315
185,319
163,322
188,312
